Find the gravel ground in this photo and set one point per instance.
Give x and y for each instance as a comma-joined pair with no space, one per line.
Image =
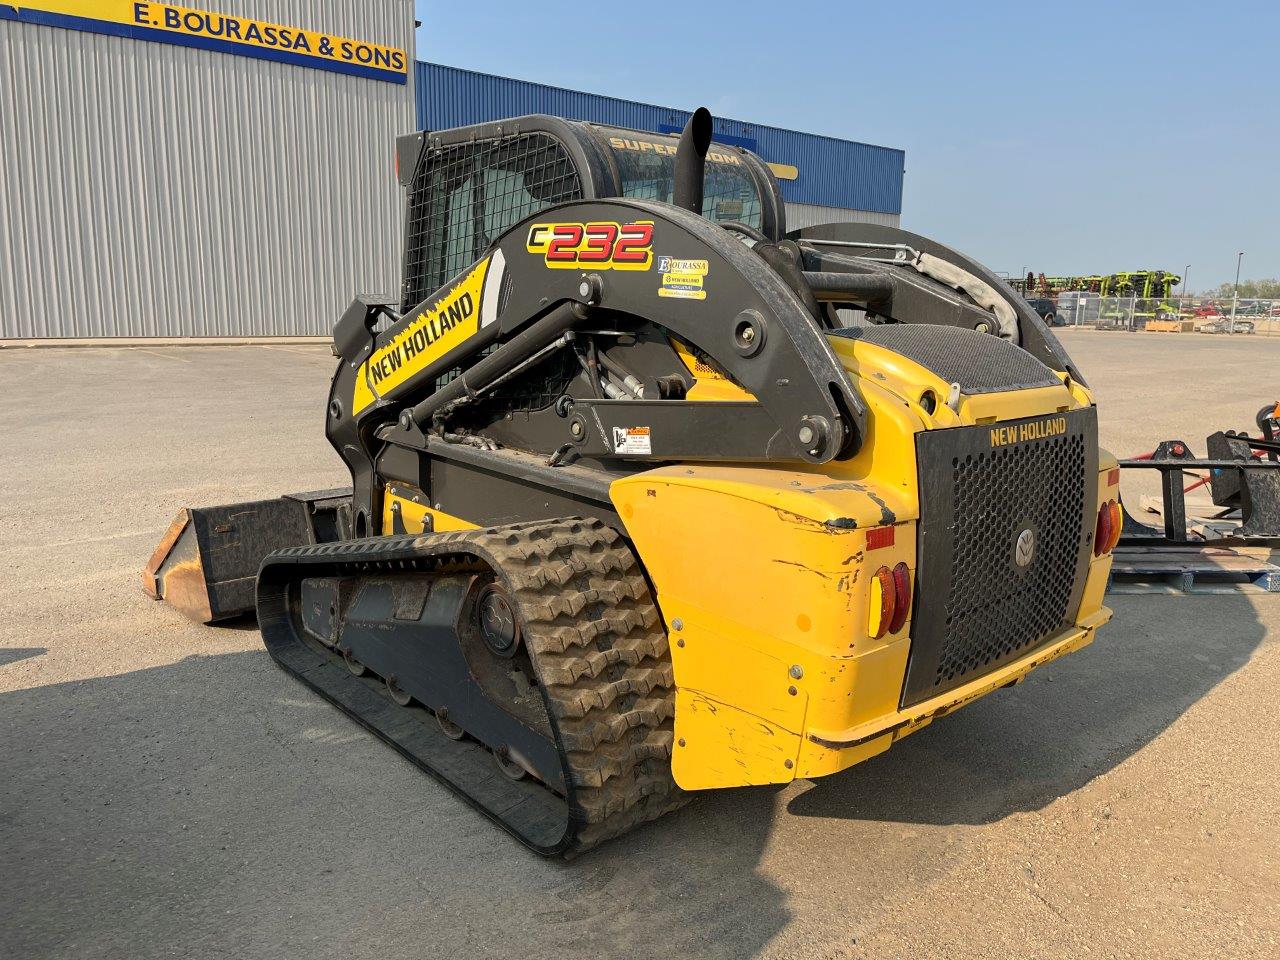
165,791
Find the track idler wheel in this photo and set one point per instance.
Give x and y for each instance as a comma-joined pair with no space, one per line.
496,617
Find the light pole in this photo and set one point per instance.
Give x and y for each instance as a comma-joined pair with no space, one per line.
1186,274
1235,294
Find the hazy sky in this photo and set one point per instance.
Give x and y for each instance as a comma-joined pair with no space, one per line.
1066,137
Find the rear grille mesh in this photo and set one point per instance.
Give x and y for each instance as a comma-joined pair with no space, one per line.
993,612
976,608
979,362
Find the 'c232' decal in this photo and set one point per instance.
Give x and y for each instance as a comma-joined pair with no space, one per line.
602,246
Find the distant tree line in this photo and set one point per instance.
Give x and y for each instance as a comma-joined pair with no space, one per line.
1249,290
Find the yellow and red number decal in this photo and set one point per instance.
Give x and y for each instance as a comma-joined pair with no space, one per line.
598,246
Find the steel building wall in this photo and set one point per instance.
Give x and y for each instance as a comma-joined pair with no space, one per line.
834,173
809,215
148,189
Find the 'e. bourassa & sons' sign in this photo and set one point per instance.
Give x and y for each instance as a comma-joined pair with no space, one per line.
221,32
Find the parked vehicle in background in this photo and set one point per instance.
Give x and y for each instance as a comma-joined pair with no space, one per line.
1207,311
1078,308
1223,325
1048,310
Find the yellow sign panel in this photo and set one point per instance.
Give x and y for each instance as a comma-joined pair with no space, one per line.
683,279
225,33
441,326
784,171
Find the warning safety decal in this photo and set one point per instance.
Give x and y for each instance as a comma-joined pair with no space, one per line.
632,440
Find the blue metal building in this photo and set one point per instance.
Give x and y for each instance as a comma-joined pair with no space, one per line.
822,178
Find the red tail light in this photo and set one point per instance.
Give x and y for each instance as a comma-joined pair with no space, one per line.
890,601
901,597
1107,532
1117,522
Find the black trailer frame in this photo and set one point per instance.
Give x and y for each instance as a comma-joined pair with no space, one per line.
1257,477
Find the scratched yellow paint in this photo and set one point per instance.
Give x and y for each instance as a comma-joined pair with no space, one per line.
761,573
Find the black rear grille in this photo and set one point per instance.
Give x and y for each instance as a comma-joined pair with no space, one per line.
976,607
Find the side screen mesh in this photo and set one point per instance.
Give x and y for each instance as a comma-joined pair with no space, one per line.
465,196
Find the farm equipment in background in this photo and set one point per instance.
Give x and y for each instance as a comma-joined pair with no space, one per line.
1128,300
1227,325
1144,284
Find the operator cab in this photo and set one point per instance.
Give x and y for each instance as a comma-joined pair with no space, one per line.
467,186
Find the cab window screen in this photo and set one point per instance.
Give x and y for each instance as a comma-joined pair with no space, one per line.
464,197
648,173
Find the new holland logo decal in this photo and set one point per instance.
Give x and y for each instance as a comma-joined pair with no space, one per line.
420,340
1031,430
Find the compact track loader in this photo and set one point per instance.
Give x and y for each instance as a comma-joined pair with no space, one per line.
651,496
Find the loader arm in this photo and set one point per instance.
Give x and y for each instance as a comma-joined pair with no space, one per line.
920,292
522,301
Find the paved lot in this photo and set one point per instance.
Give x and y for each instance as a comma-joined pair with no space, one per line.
166,792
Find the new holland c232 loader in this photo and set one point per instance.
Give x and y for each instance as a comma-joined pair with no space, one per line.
651,496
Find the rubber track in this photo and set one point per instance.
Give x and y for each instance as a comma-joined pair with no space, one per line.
595,638
596,641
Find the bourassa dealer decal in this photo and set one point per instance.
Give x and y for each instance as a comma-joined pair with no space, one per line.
683,278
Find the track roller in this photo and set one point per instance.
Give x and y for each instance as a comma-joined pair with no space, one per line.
450,730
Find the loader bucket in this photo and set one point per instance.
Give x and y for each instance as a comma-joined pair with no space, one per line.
206,564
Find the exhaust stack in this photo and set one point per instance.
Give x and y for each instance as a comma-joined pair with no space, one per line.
691,159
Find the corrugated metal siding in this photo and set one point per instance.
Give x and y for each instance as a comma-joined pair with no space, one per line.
808,215
156,190
838,173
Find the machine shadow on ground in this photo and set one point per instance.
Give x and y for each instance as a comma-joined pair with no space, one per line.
211,802
1021,748
15,654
